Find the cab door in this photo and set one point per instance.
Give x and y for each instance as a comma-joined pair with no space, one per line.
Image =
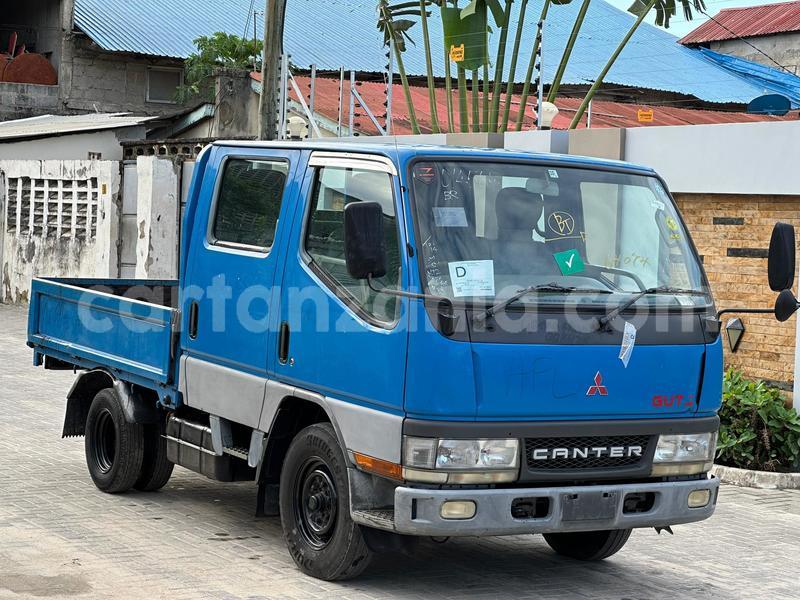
346,341
229,320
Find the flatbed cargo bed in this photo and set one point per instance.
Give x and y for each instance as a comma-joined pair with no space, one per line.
128,327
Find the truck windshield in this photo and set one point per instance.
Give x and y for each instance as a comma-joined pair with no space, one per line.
490,229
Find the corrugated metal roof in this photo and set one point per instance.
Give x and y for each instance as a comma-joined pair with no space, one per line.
334,33
49,125
604,114
750,21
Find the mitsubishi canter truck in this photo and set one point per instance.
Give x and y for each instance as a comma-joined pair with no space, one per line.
403,341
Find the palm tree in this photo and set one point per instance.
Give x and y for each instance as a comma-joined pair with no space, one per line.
512,69
498,67
664,10
396,31
423,14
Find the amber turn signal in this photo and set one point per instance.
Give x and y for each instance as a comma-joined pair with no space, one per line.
384,468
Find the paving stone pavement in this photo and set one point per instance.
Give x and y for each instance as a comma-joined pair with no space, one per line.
62,538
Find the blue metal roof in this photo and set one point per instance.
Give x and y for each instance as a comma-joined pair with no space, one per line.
334,33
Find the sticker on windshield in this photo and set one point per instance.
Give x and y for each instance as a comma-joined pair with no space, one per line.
449,216
472,277
553,173
425,173
628,341
657,204
569,262
561,223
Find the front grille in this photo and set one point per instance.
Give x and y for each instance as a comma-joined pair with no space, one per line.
594,460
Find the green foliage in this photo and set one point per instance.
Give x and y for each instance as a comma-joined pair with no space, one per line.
757,430
217,50
666,9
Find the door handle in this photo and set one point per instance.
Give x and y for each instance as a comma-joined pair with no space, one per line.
193,308
283,343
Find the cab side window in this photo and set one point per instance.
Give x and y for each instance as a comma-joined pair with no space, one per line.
249,202
335,188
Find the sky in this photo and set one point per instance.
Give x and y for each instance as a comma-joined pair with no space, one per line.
679,26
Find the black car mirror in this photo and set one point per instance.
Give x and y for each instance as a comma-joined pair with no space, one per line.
780,267
785,305
364,245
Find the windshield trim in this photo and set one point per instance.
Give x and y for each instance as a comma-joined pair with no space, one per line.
541,161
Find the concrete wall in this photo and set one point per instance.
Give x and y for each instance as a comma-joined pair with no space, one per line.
73,146
61,219
740,158
93,80
22,100
783,47
158,210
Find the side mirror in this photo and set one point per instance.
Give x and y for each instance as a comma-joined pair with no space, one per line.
785,305
364,245
780,267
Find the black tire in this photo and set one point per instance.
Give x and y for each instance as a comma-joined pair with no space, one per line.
156,467
114,448
315,508
588,545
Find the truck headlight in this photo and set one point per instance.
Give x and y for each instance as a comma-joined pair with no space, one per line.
432,460
684,454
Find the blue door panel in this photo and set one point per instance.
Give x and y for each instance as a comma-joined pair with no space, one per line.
333,350
233,288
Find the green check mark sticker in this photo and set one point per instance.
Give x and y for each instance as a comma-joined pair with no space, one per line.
569,262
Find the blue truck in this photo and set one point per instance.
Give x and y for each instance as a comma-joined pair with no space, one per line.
404,341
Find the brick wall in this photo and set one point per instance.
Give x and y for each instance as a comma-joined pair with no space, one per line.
732,234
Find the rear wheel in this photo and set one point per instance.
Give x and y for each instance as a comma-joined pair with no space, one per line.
588,545
156,467
315,508
114,448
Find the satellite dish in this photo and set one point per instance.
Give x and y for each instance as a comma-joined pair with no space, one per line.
769,104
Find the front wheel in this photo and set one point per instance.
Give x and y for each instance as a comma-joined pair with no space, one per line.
315,508
588,545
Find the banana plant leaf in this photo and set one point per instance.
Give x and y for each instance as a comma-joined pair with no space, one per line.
400,28
469,31
666,9
479,7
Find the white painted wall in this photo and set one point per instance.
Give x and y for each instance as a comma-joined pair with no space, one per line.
71,230
538,141
72,146
158,203
737,158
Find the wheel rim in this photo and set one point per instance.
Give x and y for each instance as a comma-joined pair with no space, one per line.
316,503
104,438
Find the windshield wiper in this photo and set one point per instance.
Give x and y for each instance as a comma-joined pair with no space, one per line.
545,288
603,322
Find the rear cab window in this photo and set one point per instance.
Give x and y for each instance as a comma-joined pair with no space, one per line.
248,203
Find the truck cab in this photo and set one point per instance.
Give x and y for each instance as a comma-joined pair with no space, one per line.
403,341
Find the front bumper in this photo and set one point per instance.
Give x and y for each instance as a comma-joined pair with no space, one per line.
418,511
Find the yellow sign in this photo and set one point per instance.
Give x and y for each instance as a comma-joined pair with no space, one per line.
645,116
457,53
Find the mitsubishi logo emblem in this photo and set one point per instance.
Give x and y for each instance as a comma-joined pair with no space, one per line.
598,387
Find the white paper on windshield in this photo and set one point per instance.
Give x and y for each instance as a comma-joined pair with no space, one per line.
472,278
628,341
449,216
553,173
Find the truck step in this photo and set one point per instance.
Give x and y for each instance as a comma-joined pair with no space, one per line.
382,519
236,452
